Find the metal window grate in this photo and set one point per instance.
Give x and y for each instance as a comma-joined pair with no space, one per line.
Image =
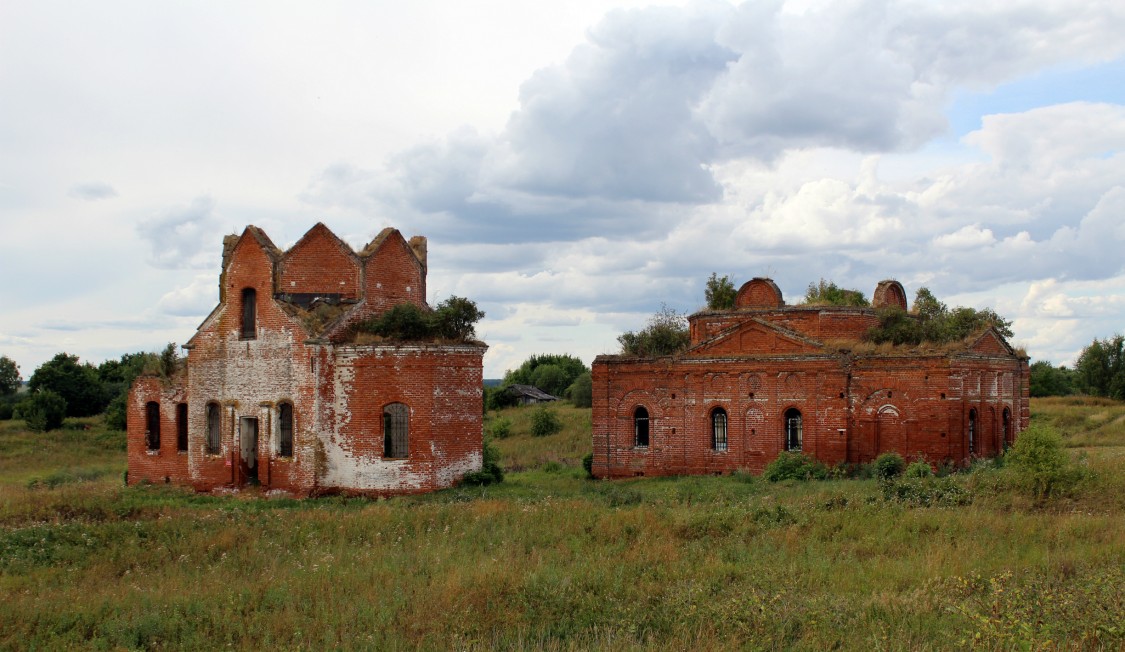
972,431
794,431
719,430
396,420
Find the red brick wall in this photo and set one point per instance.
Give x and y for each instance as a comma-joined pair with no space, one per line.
337,392
910,405
165,464
393,275
822,323
320,262
442,386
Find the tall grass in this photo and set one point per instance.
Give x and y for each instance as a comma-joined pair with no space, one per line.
1083,421
521,450
550,560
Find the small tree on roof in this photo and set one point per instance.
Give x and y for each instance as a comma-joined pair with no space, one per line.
720,292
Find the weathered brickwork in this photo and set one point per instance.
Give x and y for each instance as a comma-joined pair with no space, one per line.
778,380
264,356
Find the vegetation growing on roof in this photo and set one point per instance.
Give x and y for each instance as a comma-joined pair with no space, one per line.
720,292
932,321
827,293
666,334
318,315
454,319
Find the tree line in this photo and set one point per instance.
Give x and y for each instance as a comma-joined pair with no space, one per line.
65,387
1098,371
561,375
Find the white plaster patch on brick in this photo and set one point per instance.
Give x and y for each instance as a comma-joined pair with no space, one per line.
343,382
347,472
448,474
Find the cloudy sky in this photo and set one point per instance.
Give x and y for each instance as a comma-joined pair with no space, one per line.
574,165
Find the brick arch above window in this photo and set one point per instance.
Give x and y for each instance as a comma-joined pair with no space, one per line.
631,400
641,423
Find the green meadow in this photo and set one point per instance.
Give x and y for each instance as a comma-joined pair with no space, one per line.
550,560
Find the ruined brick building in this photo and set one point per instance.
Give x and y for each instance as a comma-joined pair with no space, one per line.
278,390
765,378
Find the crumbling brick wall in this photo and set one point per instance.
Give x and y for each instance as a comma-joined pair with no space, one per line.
760,361
337,390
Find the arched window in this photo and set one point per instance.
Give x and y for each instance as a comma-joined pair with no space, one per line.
152,425
396,422
640,426
181,427
794,430
1007,427
214,421
249,313
719,429
972,431
285,427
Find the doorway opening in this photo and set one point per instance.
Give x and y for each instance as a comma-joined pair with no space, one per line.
248,450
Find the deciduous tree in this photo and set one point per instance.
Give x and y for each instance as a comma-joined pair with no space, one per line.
666,333
720,292
78,384
9,376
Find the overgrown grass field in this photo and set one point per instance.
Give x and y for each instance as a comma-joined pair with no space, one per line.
551,560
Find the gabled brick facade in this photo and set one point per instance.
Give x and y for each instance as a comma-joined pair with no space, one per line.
277,392
764,377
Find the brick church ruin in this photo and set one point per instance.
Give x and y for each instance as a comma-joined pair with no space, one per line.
765,377
279,390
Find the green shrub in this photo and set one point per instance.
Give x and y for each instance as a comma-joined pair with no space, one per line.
490,472
44,410
1039,464
588,464
919,469
545,422
405,321
666,334
501,428
454,319
889,465
828,293
115,412
5,411
581,391
795,466
926,492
